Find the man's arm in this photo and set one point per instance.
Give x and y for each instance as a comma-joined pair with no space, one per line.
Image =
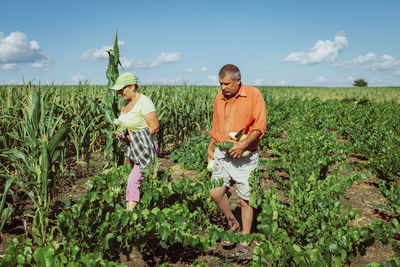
239,147
210,149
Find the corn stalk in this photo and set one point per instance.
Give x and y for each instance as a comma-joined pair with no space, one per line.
5,213
43,145
112,74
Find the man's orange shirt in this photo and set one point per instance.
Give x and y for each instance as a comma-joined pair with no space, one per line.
248,104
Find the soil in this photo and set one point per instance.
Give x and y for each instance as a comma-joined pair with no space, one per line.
363,196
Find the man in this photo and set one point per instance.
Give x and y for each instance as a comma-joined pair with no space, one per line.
235,106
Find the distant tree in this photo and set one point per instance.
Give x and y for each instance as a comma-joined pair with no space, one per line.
360,83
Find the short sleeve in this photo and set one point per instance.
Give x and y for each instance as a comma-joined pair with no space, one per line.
147,105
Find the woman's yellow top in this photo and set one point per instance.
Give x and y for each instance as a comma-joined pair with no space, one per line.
134,119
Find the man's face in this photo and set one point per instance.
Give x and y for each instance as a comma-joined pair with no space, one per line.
229,87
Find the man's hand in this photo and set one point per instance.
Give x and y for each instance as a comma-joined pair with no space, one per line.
210,154
238,148
210,149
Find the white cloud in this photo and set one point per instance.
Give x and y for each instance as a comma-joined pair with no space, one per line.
44,64
9,66
283,83
397,73
350,79
213,78
100,54
126,63
15,82
372,62
94,54
189,70
77,78
321,79
163,58
323,51
171,81
34,45
259,81
204,69
97,54
15,48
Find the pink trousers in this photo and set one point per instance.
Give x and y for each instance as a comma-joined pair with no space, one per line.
135,181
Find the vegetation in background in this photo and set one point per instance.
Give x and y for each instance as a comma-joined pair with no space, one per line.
360,83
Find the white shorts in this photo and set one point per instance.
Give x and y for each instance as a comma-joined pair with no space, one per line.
238,170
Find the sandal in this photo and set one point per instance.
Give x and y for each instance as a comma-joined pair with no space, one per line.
241,250
228,243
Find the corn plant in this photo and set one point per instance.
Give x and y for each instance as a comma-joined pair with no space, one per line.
42,146
112,74
5,213
86,128
182,111
9,169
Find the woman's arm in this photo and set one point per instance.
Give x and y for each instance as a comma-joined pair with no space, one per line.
152,121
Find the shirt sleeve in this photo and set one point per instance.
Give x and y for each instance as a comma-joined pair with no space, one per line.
213,132
148,106
260,115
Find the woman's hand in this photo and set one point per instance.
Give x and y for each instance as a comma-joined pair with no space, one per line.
121,137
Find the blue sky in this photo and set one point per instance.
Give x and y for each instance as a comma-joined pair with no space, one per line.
299,43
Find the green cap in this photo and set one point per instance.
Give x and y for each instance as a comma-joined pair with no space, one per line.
123,80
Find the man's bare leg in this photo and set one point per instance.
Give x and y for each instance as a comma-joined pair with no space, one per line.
219,197
247,217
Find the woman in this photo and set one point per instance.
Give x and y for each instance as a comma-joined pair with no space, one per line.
139,117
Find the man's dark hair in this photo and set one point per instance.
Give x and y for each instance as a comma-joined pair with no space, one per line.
230,69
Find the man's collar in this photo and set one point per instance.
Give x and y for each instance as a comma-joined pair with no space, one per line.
241,92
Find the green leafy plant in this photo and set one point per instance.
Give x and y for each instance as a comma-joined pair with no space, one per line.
192,155
112,73
5,213
44,145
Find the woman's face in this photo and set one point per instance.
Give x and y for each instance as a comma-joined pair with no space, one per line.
128,92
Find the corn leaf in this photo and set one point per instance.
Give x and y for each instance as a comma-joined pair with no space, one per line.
35,114
58,139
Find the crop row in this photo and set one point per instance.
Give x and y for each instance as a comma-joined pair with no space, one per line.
44,127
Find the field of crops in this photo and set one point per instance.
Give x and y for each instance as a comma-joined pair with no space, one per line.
326,193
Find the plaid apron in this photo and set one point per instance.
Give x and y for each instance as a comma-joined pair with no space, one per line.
141,148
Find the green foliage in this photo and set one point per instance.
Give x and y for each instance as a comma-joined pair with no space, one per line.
21,252
42,135
168,213
192,155
225,146
5,213
112,147
360,83
307,139
112,72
